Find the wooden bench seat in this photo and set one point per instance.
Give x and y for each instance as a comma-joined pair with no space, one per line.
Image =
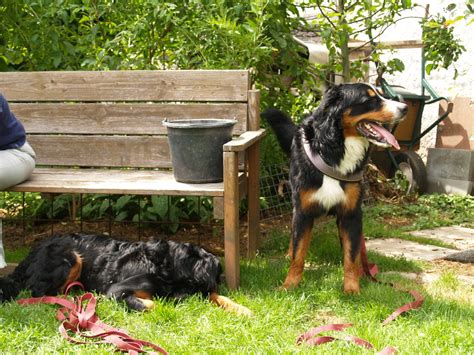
114,181
102,132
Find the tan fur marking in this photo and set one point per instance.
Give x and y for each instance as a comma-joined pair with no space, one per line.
307,198
352,191
371,93
297,261
351,268
349,126
74,273
384,115
142,294
229,305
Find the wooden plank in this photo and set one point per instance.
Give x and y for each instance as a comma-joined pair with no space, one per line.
104,118
102,151
254,110
244,141
231,220
136,182
113,181
218,207
126,85
253,214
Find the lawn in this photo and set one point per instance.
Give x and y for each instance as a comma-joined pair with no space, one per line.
443,324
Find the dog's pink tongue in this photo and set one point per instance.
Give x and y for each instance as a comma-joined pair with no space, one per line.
389,137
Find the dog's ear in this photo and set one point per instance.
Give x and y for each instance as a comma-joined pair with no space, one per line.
327,127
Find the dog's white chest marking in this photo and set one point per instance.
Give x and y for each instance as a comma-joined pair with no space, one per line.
354,152
330,193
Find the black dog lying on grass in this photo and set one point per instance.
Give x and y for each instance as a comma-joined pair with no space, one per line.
134,272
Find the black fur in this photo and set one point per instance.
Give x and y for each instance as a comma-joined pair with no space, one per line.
119,269
345,112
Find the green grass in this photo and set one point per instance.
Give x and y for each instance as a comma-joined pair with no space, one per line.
17,255
443,325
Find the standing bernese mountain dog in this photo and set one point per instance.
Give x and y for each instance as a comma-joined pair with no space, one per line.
134,272
328,152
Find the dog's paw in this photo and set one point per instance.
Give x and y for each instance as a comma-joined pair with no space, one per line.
351,289
243,311
229,305
148,304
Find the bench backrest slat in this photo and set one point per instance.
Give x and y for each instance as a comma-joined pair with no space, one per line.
114,118
104,118
102,151
130,85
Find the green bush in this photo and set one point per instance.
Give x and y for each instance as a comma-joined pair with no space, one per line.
152,34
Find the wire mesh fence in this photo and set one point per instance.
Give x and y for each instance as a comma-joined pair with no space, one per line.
32,217
275,192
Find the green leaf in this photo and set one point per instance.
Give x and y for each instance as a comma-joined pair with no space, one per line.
429,67
451,7
121,216
160,205
122,201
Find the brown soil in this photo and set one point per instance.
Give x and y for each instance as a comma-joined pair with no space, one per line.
210,237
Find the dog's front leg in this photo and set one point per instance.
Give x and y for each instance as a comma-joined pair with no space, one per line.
350,230
299,244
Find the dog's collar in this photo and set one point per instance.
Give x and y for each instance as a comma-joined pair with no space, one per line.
328,170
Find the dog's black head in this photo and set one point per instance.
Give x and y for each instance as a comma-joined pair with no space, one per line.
352,110
360,110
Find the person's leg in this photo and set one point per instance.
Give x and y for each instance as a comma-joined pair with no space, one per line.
16,165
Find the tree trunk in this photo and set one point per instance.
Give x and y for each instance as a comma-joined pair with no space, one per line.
346,74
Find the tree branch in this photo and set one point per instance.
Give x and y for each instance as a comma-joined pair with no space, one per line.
325,16
395,21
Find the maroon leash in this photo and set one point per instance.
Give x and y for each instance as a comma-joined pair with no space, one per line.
79,317
370,270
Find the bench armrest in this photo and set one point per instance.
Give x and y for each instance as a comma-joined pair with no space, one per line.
244,141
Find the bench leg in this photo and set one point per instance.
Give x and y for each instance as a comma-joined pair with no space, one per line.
253,197
3,262
231,220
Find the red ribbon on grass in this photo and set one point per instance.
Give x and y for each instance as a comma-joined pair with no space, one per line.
310,337
79,317
370,270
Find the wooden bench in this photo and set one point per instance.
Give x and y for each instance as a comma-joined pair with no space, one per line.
101,132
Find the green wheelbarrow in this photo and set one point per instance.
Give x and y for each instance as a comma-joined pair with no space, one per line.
408,133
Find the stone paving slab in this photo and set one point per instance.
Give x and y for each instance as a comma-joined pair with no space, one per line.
407,249
462,238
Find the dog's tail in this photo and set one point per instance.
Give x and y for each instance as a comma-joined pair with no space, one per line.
283,127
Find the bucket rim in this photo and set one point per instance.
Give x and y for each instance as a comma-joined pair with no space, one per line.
199,123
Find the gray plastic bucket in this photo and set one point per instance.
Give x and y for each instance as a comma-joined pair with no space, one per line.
196,148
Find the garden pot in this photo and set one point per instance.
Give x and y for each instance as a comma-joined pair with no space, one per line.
196,148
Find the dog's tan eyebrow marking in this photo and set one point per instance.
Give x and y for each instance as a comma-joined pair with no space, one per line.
371,93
